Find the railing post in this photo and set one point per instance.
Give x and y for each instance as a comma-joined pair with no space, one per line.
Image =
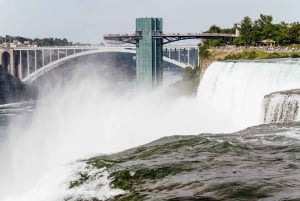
20,70
50,56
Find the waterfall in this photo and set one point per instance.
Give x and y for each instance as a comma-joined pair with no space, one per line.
234,91
282,107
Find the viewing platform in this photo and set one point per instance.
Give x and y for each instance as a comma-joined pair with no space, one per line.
169,37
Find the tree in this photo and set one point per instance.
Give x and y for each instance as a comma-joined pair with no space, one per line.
204,55
266,26
246,31
214,29
294,32
280,33
219,41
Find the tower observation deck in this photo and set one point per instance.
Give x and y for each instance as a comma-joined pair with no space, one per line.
149,40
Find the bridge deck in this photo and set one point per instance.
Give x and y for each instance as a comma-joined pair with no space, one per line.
171,37
28,61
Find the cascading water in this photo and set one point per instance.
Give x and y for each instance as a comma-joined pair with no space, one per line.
234,91
88,117
282,107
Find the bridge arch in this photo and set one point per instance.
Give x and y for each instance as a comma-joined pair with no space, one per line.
6,60
38,73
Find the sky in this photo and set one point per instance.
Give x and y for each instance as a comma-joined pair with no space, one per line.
87,21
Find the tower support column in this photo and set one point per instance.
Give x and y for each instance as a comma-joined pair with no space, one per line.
149,49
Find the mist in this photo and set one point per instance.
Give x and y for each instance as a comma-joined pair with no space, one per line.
87,113
93,113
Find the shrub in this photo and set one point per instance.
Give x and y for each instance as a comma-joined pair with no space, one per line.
295,55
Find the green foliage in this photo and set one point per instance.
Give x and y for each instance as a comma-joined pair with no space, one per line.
233,57
254,31
219,41
244,55
37,41
204,52
294,33
274,55
256,54
214,29
188,85
51,42
214,43
246,31
294,55
250,54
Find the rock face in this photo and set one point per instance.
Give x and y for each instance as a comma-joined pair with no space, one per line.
12,89
282,106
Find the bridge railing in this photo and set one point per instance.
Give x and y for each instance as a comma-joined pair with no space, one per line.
28,60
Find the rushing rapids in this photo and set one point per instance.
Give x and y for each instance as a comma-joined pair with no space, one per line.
45,150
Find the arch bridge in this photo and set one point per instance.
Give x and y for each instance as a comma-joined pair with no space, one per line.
29,63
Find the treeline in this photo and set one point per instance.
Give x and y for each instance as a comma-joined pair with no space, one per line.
38,41
253,32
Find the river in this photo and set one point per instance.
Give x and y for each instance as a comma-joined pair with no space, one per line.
40,141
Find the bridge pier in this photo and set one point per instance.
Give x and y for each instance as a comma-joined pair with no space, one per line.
35,61
7,60
20,68
28,62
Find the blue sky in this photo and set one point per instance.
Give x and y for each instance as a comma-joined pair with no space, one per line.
88,20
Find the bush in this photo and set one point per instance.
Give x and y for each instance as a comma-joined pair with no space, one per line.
274,55
295,55
250,55
233,57
188,85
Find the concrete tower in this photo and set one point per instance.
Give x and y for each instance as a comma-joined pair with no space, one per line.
149,52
